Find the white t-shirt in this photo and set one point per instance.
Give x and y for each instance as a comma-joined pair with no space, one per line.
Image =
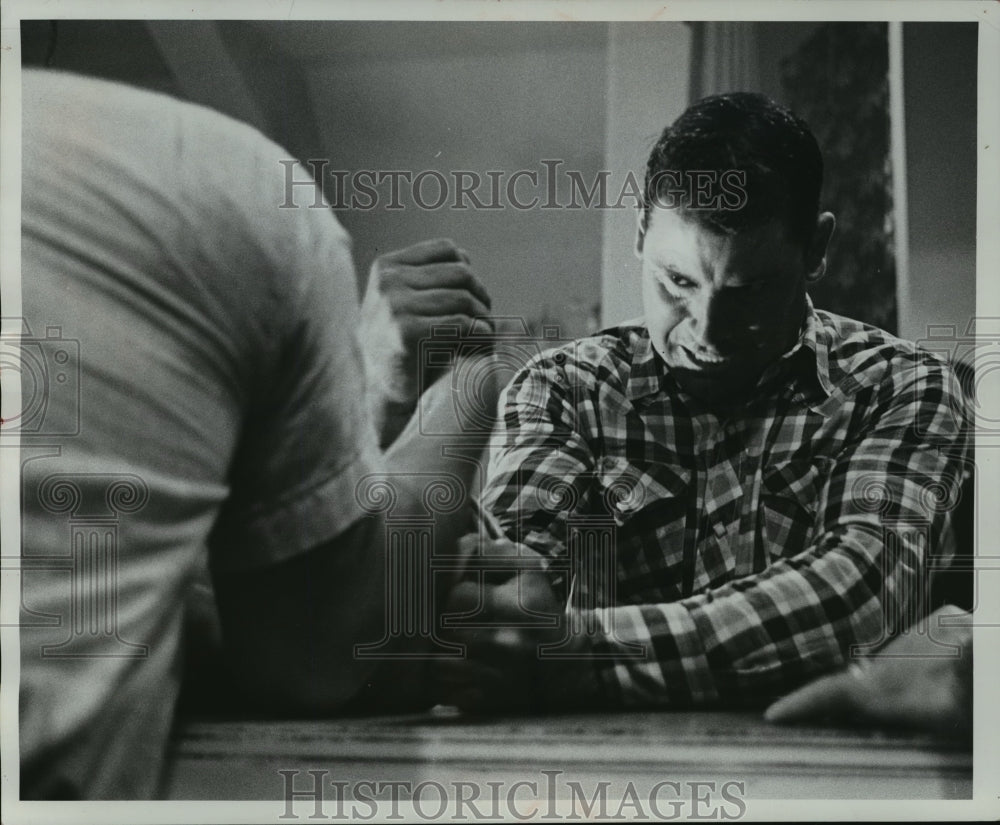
191,383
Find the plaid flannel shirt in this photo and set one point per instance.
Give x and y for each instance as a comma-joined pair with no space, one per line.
729,560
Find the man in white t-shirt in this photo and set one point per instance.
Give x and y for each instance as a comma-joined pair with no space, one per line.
204,394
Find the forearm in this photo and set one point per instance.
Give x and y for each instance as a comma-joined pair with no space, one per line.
751,639
389,416
292,629
289,630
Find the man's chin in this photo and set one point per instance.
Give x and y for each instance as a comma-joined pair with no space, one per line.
722,390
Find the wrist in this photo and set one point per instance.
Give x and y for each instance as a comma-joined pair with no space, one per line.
570,678
390,417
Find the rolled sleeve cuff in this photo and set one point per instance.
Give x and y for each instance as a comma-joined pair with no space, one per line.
301,523
652,655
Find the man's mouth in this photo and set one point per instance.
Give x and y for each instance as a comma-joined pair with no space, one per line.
705,360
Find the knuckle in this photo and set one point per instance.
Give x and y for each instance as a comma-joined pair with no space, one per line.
391,278
464,271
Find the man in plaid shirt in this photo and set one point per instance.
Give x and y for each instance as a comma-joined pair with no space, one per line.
733,490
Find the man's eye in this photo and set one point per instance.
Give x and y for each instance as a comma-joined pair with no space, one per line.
680,281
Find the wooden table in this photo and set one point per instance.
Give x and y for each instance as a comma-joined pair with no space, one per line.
241,760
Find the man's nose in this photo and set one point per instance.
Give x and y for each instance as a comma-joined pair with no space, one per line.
714,322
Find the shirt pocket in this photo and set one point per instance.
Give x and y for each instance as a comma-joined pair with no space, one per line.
789,504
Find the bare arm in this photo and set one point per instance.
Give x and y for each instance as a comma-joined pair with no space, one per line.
291,629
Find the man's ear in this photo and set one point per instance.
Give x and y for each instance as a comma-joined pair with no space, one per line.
640,235
816,251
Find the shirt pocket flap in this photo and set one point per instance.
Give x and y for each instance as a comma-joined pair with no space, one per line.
627,489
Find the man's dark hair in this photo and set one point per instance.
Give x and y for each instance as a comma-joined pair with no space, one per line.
765,162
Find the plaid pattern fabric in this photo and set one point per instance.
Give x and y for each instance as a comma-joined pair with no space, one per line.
729,560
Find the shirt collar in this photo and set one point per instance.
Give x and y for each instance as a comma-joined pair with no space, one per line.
812,347
648,370
814,340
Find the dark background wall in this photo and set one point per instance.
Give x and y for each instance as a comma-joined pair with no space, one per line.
939,70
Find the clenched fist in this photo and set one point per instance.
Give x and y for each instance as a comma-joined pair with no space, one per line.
504,667
409,292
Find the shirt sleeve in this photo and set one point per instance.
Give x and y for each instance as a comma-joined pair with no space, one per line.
884,511
306,441
540,462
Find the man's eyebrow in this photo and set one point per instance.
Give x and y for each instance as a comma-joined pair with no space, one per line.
757,279
741,284
669,265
